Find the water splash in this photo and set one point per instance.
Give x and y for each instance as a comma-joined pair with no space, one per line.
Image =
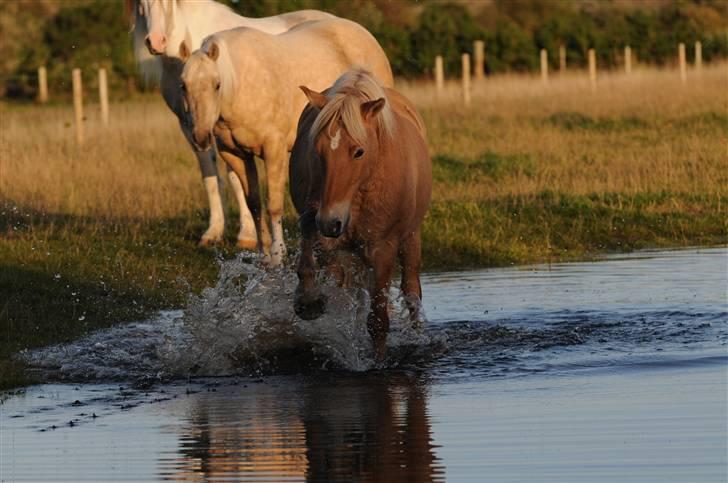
244,325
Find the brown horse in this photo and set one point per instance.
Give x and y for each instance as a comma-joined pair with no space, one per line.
361,178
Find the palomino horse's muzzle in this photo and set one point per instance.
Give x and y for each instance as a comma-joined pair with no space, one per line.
202,142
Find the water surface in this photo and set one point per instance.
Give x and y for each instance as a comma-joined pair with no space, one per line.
600,371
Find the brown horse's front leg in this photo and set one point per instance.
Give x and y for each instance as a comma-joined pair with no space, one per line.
381,258
410,256
309,302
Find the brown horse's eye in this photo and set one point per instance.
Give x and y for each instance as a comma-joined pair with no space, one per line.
183,87
358,153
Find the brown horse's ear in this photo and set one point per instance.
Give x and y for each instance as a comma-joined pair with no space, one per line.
184,51
213,51
370,109
315,98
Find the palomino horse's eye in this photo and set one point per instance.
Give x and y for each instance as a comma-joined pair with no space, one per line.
183,87
217,86
358,153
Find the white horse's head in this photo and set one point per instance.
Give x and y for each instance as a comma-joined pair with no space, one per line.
161,23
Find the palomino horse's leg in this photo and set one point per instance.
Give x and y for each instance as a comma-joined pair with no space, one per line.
247,237
308,303
410,256
208,167
246,170
381,258
276,165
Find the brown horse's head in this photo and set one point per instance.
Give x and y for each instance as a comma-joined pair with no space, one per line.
201,91
347,135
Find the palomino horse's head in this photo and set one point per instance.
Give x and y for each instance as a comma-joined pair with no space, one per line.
162,23
347,135
201,90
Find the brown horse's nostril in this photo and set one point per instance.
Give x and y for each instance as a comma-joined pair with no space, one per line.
332,228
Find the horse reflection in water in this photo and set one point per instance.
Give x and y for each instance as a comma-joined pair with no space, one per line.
372,428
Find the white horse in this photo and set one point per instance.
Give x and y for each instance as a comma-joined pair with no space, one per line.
160,26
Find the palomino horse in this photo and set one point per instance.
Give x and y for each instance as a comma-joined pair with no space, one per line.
241,87
361,178
159,27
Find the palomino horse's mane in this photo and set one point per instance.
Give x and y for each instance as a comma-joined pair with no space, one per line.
344,104
225,66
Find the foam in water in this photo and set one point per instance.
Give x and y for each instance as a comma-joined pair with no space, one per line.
245,324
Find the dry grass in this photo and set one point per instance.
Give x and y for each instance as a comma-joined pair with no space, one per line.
643,133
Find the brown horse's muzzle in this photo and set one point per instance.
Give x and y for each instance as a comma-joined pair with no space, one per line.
332,226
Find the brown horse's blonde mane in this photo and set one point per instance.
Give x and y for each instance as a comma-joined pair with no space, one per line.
344,104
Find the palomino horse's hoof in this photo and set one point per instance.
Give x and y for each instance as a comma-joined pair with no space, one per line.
251,245
310,309
209,242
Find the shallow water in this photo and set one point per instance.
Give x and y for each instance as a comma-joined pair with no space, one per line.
601,371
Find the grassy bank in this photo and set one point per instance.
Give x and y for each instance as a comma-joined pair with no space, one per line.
106,233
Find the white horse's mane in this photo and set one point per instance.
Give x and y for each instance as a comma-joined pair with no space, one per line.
150,66
348,93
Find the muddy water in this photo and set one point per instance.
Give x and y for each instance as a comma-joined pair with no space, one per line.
606,371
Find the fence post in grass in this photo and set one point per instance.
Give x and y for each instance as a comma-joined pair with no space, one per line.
593,69
681,58
439,75
628,60
78,105
466,79
698,57
544,66
42,85
479,49
562,59
103,97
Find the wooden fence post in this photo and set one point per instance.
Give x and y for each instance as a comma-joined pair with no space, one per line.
683,67
103,97
544,66
42,85
592,69
698,56
78,105
628,60
439,75
466,79
562,59
479,49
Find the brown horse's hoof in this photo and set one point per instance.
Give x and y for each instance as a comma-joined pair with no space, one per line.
380,349
251,245
310,308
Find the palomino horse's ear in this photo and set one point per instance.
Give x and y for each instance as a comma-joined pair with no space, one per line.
370,109
184,51
213,51
315,98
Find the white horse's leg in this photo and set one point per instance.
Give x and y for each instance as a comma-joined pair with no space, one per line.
247,238
216,228
276,161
